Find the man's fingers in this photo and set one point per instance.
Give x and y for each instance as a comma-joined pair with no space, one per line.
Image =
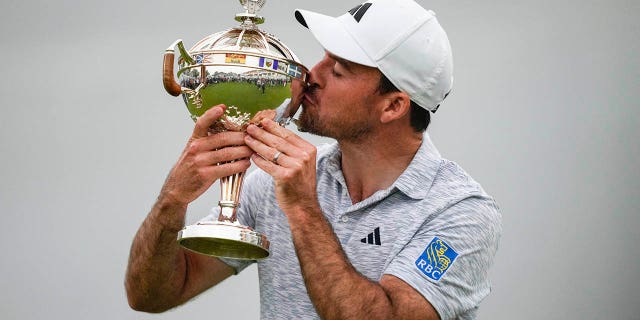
225,169
274,136
207,120
217,141
223,155
297,92
283,133
268,145
266,165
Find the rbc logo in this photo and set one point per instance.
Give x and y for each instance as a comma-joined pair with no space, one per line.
436,259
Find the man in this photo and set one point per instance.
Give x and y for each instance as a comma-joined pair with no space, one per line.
375,226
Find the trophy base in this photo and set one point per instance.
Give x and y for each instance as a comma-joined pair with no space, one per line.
224,239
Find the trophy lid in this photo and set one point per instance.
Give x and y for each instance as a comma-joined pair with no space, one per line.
247,37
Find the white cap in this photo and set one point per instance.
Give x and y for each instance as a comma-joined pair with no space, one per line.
399,37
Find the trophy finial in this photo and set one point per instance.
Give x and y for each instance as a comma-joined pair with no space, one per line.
250,18
252,6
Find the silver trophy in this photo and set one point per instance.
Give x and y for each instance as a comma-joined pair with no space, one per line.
250,71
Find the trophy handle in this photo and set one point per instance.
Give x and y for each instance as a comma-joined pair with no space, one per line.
168,80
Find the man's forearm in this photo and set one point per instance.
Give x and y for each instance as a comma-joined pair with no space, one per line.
161,274
336,289
155,274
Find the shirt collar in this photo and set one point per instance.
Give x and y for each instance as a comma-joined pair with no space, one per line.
415,181
417,178
334,165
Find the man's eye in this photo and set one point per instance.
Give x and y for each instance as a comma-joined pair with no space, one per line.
336,73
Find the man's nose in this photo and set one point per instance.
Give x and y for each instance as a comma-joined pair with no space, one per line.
311,79
318,72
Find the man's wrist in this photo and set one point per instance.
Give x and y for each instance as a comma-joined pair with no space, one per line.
305,210
169,200
170,212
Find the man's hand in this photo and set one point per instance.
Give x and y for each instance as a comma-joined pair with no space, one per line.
298,88
206,158
294,172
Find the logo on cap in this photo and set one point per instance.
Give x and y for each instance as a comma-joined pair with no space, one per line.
358,11
436,259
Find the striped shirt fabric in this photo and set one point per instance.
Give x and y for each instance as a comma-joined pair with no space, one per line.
435,228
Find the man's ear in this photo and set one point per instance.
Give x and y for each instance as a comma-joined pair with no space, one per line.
397,105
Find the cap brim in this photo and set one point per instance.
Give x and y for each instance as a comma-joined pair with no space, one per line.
333,36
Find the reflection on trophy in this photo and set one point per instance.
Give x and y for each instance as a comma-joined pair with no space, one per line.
249,71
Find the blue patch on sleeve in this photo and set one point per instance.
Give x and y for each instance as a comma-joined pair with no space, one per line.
436,259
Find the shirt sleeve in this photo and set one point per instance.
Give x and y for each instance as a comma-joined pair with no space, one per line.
448,258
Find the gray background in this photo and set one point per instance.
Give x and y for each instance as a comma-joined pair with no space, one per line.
544,114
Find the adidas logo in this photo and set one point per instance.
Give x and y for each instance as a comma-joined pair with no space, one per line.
373,237
359,11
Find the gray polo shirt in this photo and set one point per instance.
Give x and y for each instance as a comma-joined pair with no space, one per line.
434,228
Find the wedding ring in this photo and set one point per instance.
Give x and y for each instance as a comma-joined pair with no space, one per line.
276,156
